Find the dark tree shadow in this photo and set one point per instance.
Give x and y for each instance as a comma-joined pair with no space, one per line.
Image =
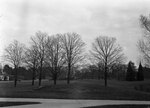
5,104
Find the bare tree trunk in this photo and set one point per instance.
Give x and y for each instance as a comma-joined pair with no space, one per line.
40,75
99,75
55,75
55,79
32,80
33,76
68,76
40,78
105,74
99,70
15,80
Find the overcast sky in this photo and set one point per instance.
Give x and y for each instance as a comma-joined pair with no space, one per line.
20,19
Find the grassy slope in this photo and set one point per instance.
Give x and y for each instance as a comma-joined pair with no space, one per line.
82,89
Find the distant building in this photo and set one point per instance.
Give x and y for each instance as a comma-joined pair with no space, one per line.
4,77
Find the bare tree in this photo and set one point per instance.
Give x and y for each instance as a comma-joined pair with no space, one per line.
144,44
145,23
73,46
106,51
31,59
55,56
14,54
39,42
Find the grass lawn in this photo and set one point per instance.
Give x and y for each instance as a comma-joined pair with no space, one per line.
78,89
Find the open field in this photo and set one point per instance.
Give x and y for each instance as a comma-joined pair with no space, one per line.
78,89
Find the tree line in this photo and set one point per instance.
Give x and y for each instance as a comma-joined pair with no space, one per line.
119,72
66,51
61,51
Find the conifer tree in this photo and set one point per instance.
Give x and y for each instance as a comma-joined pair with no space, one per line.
130,76
140,76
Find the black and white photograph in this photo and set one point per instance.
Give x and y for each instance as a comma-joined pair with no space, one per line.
75,53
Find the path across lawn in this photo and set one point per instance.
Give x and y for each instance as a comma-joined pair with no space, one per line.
65,103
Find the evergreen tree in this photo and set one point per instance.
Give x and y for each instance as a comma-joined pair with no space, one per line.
140,76
130,76
7,69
